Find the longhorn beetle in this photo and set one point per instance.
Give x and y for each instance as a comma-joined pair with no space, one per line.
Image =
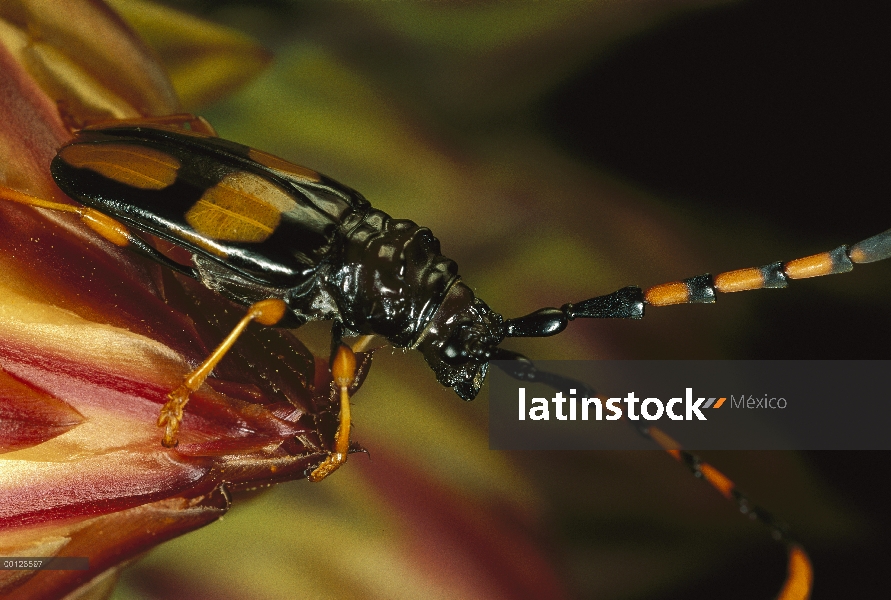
296,246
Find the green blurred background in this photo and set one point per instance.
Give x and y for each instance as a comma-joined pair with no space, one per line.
560,151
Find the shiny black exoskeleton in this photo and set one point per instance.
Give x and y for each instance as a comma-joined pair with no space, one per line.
259,227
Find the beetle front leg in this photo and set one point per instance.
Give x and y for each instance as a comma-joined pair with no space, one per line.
266,312
361,343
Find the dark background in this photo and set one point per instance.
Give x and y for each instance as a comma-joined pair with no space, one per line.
780,110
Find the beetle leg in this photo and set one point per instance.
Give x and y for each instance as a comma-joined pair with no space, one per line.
195,123
12,195
343,371
336,341
266,312
114,231
360,345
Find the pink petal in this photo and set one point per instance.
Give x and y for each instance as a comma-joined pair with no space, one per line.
29,417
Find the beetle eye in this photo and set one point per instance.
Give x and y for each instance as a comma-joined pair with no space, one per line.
463,345
454,351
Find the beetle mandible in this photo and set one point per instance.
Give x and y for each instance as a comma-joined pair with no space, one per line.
296,246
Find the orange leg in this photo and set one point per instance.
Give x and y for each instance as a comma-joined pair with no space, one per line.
343,371
266,312
113,231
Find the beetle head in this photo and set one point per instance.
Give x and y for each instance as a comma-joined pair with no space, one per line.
459,341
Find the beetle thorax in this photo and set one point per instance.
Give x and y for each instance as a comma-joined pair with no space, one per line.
391,278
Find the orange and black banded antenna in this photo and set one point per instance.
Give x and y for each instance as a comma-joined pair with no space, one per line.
702,288
630,303
799,571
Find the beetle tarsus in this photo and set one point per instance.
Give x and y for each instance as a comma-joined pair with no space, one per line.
331,463
172,415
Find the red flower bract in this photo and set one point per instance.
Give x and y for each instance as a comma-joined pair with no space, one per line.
92,337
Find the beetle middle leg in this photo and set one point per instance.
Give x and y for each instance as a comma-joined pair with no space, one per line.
343,373
266,312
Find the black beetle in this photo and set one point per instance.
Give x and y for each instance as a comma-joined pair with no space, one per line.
297,246
259,227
